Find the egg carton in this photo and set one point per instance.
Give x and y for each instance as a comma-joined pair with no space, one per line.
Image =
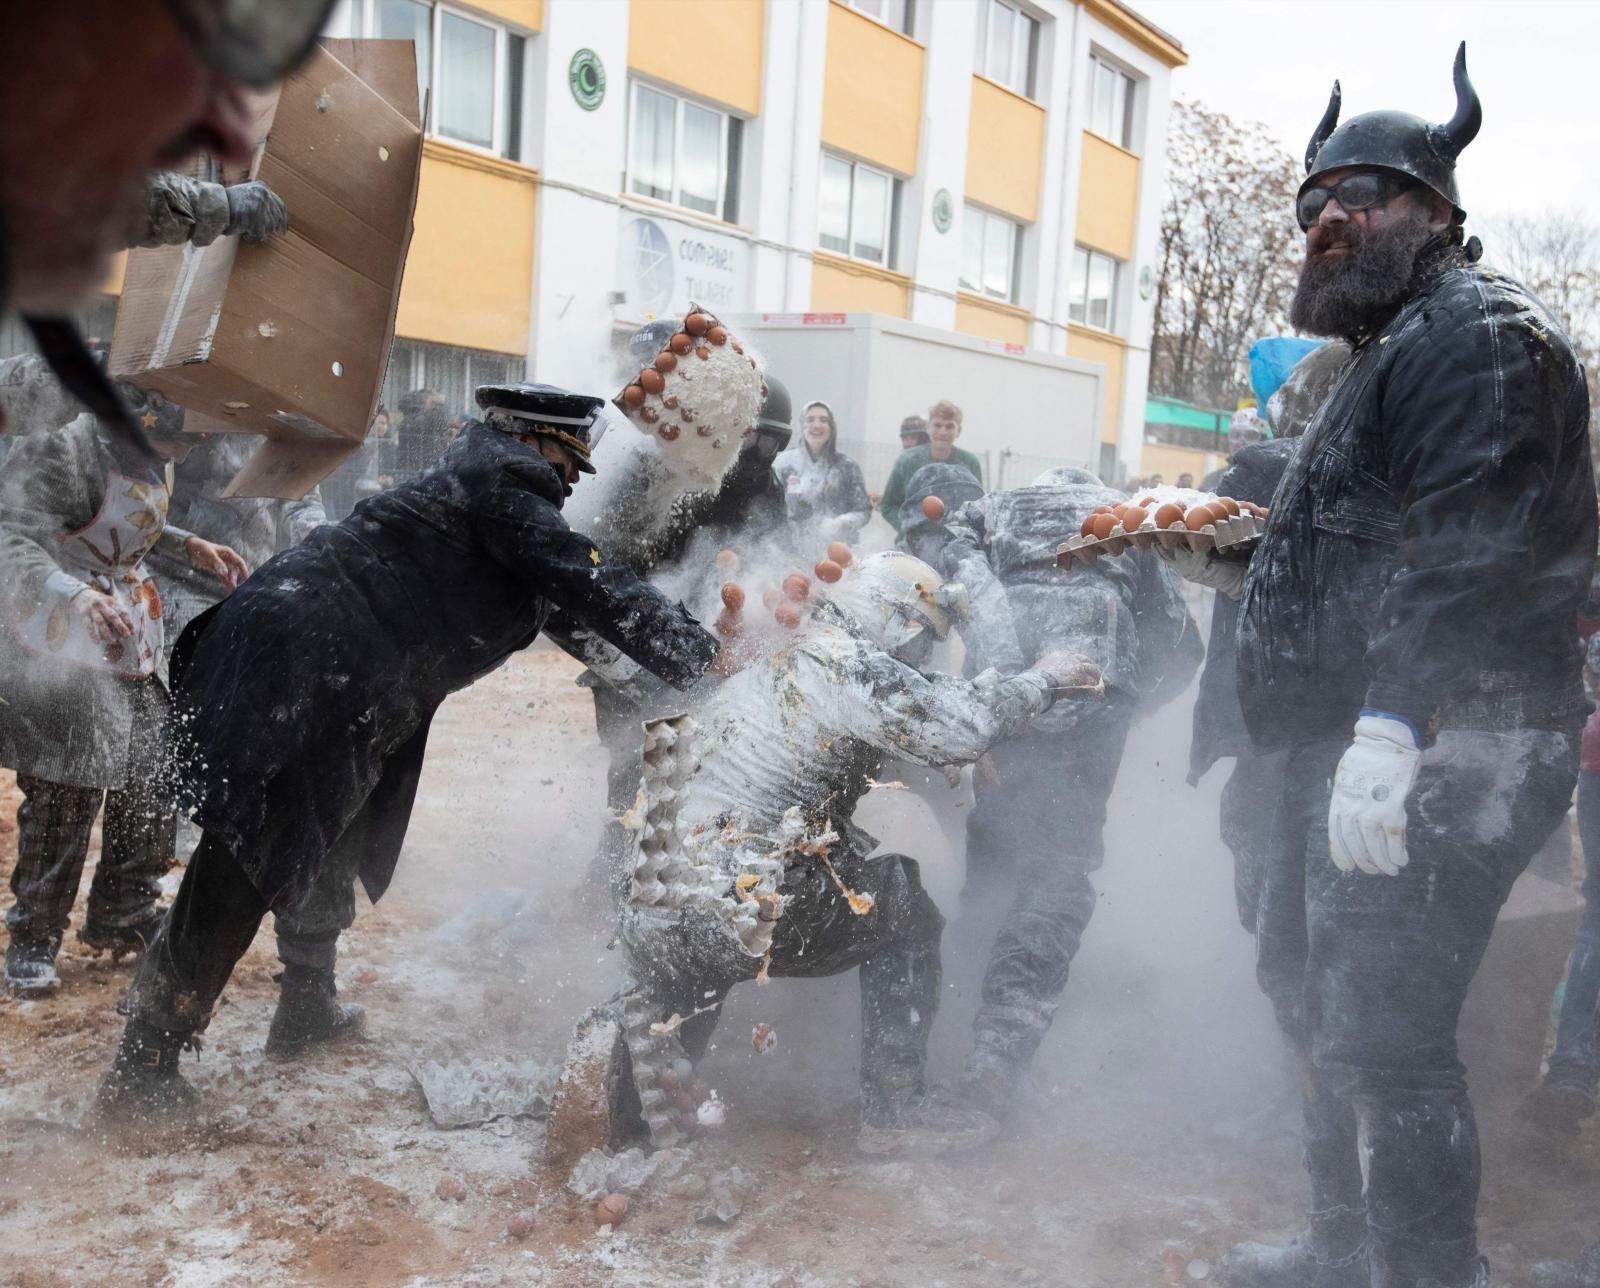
1232,534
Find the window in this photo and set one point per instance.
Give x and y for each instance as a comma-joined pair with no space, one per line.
1092,297
990,246
472,66
857,211
1111,104
1010,47
899,14
681,152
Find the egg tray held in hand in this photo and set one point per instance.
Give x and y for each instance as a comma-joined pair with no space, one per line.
1200,521
699,395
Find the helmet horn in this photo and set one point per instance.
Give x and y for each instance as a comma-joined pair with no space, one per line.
1463,127
1330,118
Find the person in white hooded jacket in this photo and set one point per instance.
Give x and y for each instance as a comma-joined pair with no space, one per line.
824,489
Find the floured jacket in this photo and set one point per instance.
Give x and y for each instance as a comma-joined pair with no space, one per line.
1431,544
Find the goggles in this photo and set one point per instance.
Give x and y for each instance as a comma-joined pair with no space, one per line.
256,41
1360,191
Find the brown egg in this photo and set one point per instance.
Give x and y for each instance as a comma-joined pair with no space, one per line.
932,508
611,1209
771,597
1103,523
686,415
633,396
797,586
1087,530
520,1226
670,402
787,614
696,323
828,571
649,415
651,379
666,361
1230,505
451,1188
705,431
681,343
669,432
1146,502
1133,518
732,595
1102,509
718,335
739,348
702,353
840,554
1198,518
1168,514
727,559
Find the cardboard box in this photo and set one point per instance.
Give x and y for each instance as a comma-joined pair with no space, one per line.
290,337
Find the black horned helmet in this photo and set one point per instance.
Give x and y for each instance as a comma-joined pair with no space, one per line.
1400,141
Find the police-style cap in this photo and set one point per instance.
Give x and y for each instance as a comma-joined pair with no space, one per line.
258,41
529,408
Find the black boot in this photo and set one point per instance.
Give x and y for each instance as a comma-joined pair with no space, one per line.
143,1080
1561,1103
998,1085
309,1012
921,1123
119,940
1583,1271
1331,1254
31,966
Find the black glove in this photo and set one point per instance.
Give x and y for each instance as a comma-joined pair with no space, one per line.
255,211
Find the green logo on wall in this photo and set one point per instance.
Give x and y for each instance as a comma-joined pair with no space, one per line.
944,210
586,76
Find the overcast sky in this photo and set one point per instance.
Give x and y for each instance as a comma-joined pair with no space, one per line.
1536,64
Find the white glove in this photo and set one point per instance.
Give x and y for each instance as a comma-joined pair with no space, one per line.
1204,569
1367,815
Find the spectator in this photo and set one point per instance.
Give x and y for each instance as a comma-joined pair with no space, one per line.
944,427
913,432
823,489
423,431
1186,480
366,472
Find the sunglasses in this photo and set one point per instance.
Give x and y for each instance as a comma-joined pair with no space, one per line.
1360,191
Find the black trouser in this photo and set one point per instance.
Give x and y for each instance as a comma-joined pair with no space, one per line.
308,935
1368,975
207,930
138,839
1038,830
1247,817
692,966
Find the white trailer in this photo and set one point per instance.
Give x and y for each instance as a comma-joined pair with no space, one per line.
1023,411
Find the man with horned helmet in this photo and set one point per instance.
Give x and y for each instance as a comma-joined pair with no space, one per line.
1408,638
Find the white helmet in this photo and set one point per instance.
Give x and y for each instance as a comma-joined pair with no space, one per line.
891,597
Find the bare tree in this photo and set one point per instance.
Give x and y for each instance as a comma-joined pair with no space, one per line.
1557,256
1229,254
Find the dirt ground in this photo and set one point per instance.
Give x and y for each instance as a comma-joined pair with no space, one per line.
1168,1132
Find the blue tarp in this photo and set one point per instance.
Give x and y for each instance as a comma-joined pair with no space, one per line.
1271,361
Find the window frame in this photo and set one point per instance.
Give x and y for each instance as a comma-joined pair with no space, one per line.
728,166
1027,30
1127,85
1081,304
901,15
504,136
1016,228
891,212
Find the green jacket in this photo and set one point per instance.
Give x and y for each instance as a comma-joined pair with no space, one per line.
909,462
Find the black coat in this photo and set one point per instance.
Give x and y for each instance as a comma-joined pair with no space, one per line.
1253,474
303,700
1432,541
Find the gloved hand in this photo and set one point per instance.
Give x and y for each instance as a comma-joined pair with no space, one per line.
1205,569
1069,674
1367,815
255,211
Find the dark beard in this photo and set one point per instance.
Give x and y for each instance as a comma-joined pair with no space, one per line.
1350,295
